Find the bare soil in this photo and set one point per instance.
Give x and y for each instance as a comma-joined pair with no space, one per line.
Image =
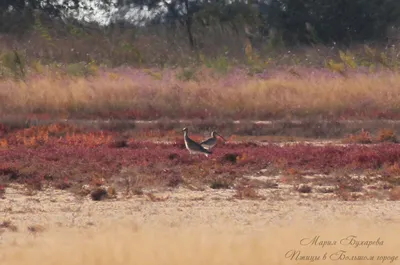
25,216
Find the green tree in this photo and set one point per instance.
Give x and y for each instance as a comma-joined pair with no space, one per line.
340,21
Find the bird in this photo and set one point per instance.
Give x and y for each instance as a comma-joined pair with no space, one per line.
192,146
212,141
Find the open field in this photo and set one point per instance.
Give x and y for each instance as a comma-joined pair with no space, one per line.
194,227
93,167
73,182
125,196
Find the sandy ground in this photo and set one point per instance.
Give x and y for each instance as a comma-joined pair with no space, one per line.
300,243
196,227
180,207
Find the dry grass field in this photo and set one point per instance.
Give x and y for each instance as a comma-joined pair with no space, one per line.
335,243
103,186
297,92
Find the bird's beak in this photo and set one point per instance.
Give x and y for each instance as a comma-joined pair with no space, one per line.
221,137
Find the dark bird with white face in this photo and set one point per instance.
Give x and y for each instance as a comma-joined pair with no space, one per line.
212,141
192,146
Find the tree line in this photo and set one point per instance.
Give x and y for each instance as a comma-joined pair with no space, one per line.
292,22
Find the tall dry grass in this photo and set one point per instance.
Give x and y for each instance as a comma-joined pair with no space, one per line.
154,93
126,244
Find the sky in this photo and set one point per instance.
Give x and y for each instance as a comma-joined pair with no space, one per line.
104,17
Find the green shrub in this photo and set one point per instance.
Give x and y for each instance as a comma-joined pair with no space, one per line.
14,63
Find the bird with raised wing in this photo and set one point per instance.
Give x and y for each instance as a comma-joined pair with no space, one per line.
192,146
212,141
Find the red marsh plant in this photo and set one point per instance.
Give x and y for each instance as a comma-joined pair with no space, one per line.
365,137
386,135
58,134
166,165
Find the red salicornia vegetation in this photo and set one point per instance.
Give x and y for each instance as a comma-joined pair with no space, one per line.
365,137
66,157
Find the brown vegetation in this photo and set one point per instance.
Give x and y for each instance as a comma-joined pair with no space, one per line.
130,93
